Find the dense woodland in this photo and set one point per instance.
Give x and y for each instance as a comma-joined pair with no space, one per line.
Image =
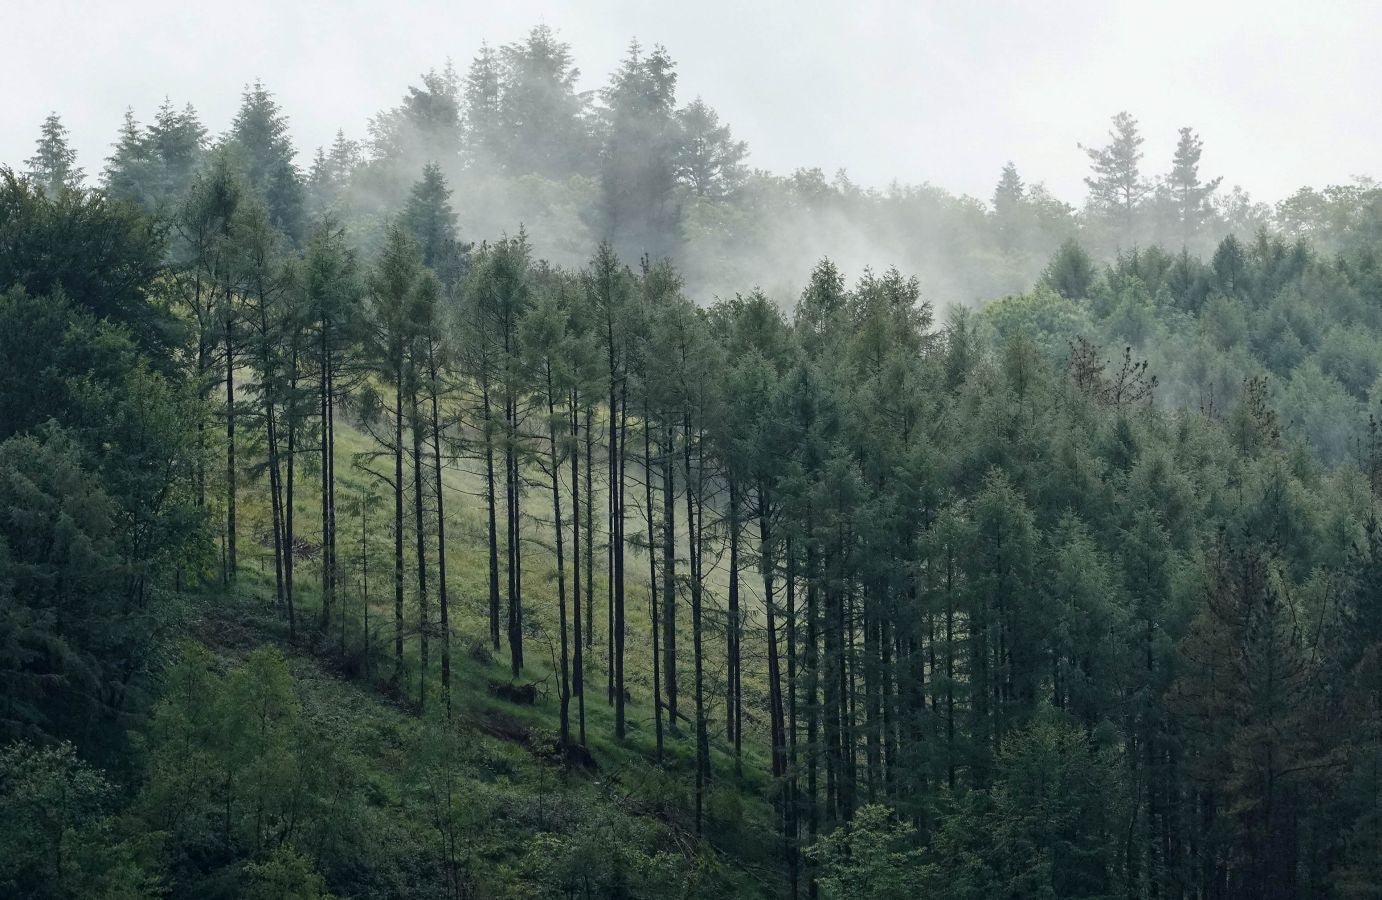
531,499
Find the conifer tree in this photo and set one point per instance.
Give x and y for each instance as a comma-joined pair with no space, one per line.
709,160
1190,195
263,147
53,167
1116,184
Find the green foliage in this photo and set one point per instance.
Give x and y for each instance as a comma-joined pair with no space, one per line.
1020,622
286,875
57,841
99,253
52,168
872,855
1071,272
1048,827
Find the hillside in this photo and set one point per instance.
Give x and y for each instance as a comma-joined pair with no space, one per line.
357,541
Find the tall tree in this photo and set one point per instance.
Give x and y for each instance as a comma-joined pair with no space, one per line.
709,161
542,115
1009,198
483,95
640,212
331,284
393,288
53,167
1190,195
261,144
1116,184
432,224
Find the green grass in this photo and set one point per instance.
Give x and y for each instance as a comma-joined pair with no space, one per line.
352,696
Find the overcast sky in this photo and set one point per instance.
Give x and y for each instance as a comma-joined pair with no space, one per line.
1283,93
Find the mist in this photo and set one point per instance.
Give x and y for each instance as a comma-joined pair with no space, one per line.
848,161
864,451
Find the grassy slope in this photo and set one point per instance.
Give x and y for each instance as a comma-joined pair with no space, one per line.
508,758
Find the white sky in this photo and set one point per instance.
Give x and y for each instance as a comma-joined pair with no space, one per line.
1284,93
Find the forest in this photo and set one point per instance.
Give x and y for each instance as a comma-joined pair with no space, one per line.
532,499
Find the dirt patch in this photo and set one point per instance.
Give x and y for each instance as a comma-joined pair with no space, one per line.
499,724
521,694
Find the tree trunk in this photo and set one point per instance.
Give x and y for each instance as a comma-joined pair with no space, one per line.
733,711
561,562
420,535
491,504
398,531
231,564
669,582
442,599
618,538
652,577
578,650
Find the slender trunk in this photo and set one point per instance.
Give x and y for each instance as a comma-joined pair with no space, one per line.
334,569
438,495
561,562
610,492
328,581
652,577
589,532
769,567
950,665
420,535
693,539
733,713
669,582
578,658
514,534
793,802
364,584
612,496
618,538
288,527
275,499
491,504
230,565
398,529
811,663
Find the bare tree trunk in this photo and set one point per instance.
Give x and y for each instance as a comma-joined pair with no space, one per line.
652,577
231,564
491,503
420,535
618,539
669,582
398,533
561,562
442,600
589,532
578,660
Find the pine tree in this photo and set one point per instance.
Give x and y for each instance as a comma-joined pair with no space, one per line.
129,167
709,160
425,127
177,143
1009,199
541,114
640,213
328,181
1116,185
1192,197
259,137
432,224
330,282
483,107
53,165
393,289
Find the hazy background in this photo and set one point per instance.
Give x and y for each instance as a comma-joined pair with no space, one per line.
940,91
